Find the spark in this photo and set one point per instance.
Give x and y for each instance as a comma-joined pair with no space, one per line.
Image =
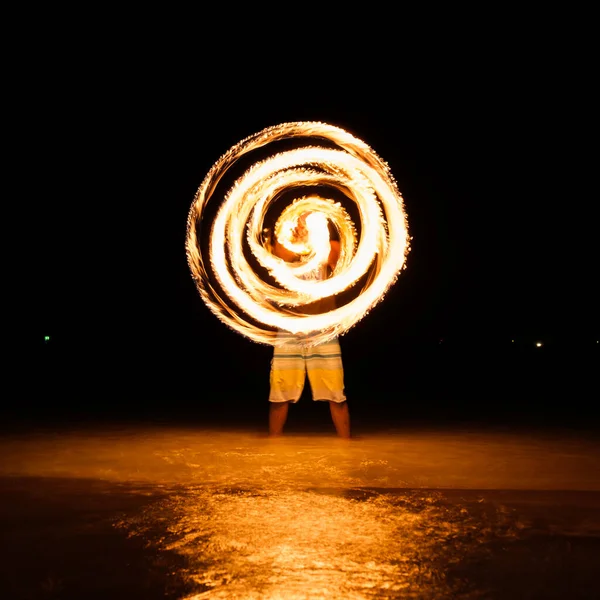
257,306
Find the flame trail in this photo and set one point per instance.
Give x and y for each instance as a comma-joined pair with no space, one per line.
257,302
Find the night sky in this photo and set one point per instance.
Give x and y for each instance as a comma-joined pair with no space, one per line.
491,156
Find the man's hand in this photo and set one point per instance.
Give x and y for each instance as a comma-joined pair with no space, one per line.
300,232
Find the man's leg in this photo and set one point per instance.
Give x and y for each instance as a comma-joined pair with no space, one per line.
341,418
287,376
278,412
326,375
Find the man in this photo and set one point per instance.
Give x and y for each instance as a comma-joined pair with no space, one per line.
322,363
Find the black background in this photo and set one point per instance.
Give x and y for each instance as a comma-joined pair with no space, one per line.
489,136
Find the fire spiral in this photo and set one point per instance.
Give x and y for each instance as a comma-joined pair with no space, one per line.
301,173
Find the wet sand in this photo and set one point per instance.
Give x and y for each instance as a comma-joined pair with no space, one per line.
153,511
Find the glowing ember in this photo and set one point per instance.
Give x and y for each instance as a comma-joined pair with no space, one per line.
258,297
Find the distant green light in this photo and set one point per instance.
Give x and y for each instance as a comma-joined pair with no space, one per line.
46,338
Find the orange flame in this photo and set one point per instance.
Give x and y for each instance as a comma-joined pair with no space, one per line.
256,308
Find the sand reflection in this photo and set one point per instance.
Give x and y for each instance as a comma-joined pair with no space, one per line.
261,543
313,516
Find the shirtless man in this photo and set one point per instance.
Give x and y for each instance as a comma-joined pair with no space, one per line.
293,361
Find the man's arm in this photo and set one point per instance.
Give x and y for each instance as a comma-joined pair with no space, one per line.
289,256
282,252
334,254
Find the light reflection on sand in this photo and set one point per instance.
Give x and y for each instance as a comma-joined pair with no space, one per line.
403,459
313,516
264,543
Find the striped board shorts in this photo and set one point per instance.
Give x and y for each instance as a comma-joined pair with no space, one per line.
293,361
